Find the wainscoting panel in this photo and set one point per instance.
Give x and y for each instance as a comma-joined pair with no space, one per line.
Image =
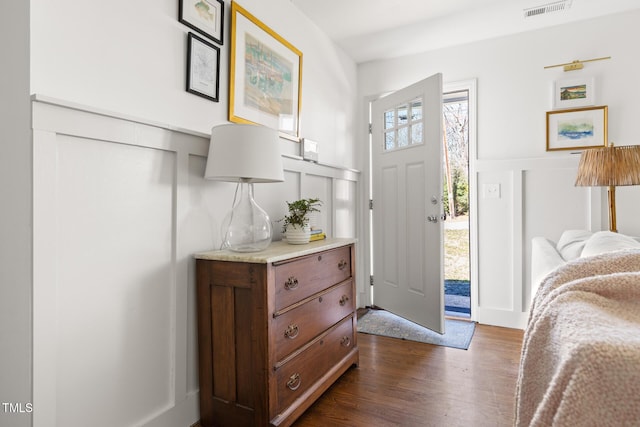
495,249
552,204
115,280
316,186
120,207
344,208
536,197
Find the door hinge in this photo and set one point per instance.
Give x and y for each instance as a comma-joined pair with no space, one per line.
371,280
370,128
370,203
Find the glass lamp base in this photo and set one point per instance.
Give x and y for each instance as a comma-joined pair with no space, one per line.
247,228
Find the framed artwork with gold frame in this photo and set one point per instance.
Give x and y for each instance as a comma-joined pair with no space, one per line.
265,76
577,128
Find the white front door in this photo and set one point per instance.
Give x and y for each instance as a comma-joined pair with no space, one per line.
407,203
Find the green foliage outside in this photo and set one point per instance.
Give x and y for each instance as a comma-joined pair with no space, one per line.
460,190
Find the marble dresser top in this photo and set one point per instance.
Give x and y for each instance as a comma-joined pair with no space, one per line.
277,251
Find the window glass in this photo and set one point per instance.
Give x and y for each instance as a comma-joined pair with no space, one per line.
389,119
416,133
403,136
403,125
389,140
416,110
403,114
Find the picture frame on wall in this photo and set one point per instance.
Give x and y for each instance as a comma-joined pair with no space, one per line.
574,93
265,76
205,17
577,128
203,68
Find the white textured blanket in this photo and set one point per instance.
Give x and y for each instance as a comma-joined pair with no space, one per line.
580,363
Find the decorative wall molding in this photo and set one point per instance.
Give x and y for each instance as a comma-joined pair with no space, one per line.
128,294
503,294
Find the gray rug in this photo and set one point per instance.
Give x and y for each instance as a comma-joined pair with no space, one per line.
458,333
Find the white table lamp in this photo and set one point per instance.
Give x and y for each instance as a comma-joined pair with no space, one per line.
245,154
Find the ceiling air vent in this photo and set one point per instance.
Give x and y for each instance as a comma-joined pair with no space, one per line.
547,8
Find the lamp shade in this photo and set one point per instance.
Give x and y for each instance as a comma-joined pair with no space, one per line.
609,166
248,153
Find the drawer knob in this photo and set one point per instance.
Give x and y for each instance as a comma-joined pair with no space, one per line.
291,283
344,300
291,332
345,341
342,264
294,382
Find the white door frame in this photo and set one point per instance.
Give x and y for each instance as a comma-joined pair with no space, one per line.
365,297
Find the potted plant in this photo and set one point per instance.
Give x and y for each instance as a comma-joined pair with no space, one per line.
296,223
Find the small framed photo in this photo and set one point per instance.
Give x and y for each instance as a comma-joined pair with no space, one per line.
574,93
577,128
205,17
203,68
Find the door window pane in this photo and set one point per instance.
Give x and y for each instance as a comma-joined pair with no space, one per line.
416,110
403,114
389,140
416,133
389,119
403,137
403,125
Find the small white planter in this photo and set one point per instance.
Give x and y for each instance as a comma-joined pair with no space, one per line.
297,235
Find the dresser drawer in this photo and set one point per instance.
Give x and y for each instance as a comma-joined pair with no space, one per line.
300,373
303,277
296,327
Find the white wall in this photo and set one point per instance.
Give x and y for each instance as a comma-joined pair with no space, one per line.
111,177
130,57
15,214
514,92
114,305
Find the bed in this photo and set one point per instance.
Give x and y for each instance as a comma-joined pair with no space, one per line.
580,362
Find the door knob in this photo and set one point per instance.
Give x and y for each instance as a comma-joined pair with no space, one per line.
432,218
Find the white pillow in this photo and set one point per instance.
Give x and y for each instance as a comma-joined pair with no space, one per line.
572,242
608,241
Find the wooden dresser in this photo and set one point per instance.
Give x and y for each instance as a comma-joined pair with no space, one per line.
275,329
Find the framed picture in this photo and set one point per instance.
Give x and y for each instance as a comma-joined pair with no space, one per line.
204,16
574,93
203,68
577,128
265,76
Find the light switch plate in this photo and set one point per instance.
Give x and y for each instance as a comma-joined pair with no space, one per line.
491,191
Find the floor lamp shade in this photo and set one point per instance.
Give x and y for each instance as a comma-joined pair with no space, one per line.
245,154
610,166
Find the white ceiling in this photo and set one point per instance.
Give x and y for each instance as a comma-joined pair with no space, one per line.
368,30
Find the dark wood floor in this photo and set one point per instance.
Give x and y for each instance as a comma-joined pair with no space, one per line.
404,383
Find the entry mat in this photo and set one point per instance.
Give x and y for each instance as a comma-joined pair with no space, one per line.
458,333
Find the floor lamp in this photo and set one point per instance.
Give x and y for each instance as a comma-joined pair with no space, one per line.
245,154
610,166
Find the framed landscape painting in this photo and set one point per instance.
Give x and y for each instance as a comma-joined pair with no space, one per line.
577,128
573,93
265,76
